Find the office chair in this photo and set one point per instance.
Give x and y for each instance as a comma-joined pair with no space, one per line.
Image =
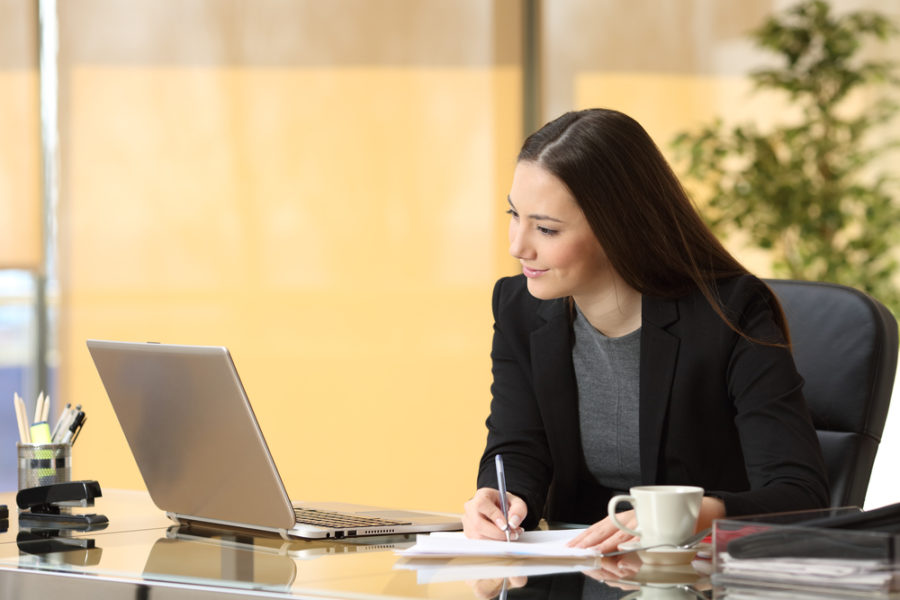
845,347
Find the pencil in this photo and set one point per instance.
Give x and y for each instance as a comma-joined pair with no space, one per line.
39,408
21,417
45,415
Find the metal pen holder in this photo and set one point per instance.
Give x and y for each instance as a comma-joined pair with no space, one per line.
44,464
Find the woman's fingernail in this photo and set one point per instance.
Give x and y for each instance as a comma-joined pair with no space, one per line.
501,524
514,521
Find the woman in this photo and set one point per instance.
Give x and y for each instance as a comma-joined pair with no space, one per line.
634,349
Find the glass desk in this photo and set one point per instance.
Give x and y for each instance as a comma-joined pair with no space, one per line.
142,554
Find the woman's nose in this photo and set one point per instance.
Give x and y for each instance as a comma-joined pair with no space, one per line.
519,246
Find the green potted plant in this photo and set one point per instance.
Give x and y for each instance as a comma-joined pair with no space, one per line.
810,190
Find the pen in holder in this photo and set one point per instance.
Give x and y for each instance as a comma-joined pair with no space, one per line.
44,464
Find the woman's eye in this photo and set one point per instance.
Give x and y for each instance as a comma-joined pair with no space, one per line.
512,213
546,231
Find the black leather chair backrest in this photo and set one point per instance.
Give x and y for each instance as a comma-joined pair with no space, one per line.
845,347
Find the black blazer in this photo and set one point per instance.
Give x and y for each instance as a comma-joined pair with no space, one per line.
716,410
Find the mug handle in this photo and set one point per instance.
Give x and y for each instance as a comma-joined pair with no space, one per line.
611,509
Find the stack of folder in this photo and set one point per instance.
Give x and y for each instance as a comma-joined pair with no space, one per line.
840,549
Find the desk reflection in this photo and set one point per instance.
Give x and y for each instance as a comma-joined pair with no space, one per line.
232,564
613,578
206,555
54,548
580,585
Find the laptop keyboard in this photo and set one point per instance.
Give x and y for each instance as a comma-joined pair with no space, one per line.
324,518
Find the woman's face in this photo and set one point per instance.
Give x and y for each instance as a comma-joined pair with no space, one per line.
551,238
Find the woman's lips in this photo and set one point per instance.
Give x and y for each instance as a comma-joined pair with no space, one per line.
529,272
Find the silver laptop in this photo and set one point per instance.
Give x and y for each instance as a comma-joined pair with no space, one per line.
202,454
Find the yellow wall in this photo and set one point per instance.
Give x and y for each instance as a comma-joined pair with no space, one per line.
339,228
20,159
341,248
20,187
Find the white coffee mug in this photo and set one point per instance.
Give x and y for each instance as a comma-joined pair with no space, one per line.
666,514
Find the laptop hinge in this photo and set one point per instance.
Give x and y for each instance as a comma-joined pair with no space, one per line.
256,530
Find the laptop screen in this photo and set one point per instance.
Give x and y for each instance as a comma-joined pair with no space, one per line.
192,432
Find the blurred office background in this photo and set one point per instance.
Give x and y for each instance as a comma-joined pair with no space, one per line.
320,186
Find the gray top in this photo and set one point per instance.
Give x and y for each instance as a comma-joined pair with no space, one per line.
608,374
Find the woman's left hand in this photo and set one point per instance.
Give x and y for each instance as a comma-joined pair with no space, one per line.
604,536
613,569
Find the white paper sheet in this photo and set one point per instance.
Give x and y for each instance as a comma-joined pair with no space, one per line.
539,544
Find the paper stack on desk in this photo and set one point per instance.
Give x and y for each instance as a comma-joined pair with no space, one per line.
820,572
536,544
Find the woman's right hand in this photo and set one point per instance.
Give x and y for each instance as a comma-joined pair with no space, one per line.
483,517
485,589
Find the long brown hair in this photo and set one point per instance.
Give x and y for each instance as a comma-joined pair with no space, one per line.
636,206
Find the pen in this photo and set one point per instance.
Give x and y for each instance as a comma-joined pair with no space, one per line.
60,423
80,427
73,428
501,485
65,422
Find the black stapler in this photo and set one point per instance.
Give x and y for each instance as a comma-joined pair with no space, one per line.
40,506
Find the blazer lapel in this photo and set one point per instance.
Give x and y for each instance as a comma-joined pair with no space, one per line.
555,386
659,351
